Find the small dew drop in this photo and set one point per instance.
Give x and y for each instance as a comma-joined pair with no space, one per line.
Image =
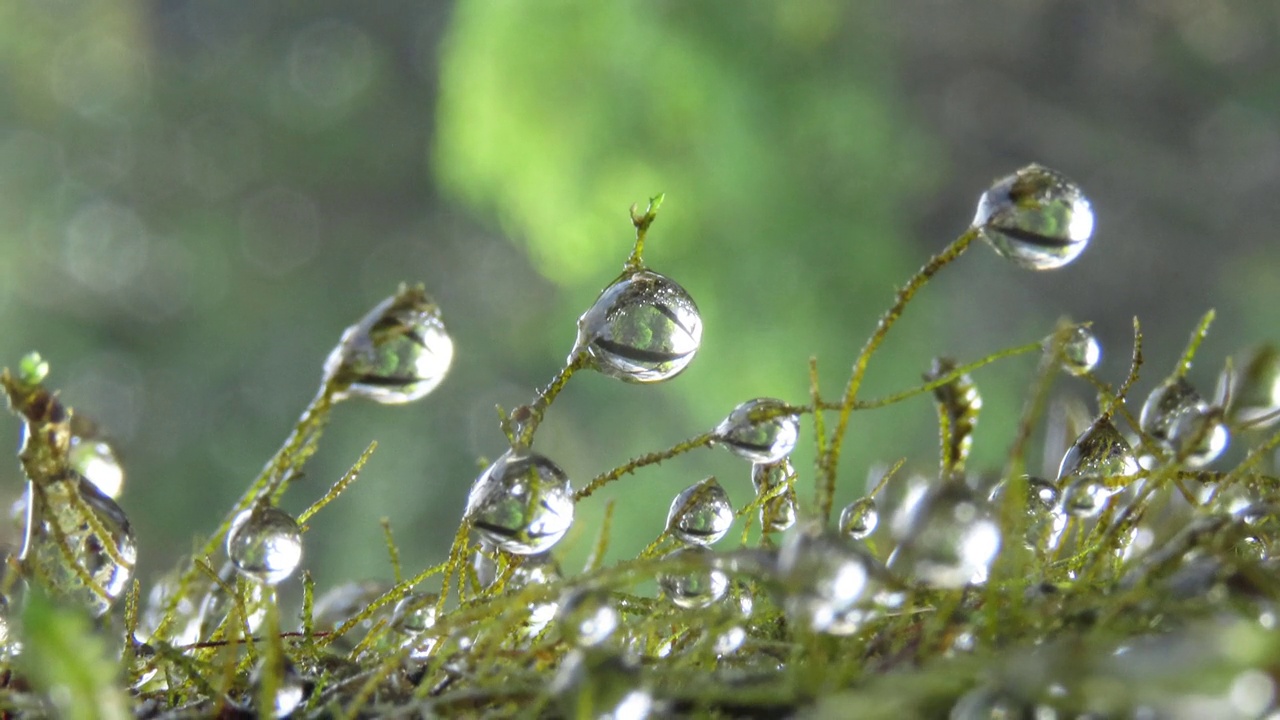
777,513
698,583
1199,436
1036,218
291,688
1169,401
759,430
1100,452
65,548
587,618
1080,351
644,328
859,518
540,569
730,641
522,503
397,353
948,539
96,461
701,514
415,614
1255,387
823,578
265,544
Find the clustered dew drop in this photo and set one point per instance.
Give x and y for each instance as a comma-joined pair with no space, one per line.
97,462
587,617
777,513
1036,218
397,353
522,503
701,514
947,538
761,430
644,328
1177,417
699,583
265,544
859,518
1080,351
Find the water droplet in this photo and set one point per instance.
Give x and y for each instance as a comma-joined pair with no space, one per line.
1086,496
96,461
1042,522
397,353
343,602
1255,387
778,513
759,430
184,628
10,638
1170,400
523,503
1080,351
587,617
948,539
823,577
643,328
960,402
291,688
217,605
1199,436
78,542
1035,217
541,569
594,683
415,613
701,514
265,544
730,641
1100,452
859,518
696,583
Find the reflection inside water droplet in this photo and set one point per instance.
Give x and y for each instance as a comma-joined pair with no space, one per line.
522,503
265,544
643,328
701,514
759,430
1035,217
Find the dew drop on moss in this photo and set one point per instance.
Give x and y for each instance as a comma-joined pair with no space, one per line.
824,579
265,544
1169,401
96,461
1036,218
1100,452
397,353
644,328
697,583
522,503
79,542
1080,351
777,513
1255,386
759,430
947,539
587,618
701,514
859,518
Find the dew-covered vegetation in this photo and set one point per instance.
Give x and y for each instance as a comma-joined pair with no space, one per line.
1136,581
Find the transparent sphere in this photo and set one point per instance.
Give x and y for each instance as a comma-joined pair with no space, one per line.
522,503
1099,452
644,328
696,585
1169,401
1036,218
587,618
265,544
778,513
1199,436
948,538
397,353
1080,351
759,430
96,461
822,578
415,613
859,518
701,514
65,548
1086,496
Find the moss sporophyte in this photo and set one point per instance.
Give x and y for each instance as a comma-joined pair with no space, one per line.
1138,581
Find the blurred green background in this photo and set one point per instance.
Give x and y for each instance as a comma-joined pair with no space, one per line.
196,198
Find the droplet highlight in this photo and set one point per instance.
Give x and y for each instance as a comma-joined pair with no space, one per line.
1036,218
265,544
644,328
522,503
859,518
701,514
760,430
